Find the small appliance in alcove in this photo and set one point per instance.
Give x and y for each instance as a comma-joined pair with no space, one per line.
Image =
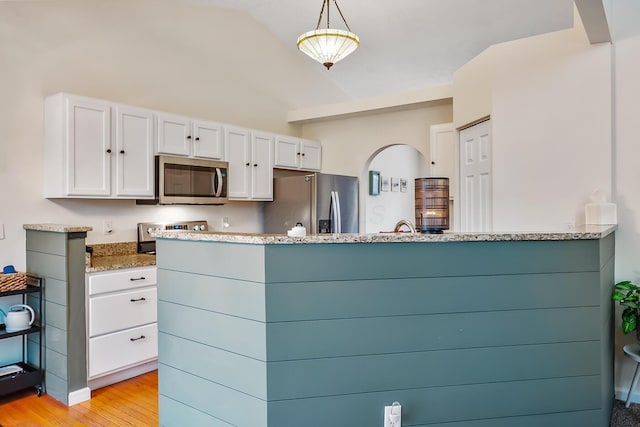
432,204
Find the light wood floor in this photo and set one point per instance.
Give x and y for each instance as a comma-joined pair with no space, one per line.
133,402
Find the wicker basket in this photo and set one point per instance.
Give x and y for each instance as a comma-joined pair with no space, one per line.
13,282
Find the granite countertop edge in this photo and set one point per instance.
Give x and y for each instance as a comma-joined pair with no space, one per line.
57,228
588,232
119,262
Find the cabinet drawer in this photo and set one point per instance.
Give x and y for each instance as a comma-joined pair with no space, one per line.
121,280
122,310
122,349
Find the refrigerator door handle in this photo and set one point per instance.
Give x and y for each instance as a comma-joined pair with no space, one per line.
336,222
338,216
332,212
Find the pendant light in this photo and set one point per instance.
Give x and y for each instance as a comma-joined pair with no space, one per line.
330,45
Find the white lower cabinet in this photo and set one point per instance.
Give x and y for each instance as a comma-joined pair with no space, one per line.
111,352
121,320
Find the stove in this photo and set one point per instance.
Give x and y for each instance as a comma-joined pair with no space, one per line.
147,242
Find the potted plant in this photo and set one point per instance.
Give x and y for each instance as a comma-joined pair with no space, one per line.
628,295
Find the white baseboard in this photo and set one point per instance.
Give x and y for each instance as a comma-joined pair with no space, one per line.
621,394
116,377
79,396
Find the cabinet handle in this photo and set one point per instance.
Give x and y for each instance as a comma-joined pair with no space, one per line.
141,337
109,150
197,138
133,279
121,151
188,136
138,299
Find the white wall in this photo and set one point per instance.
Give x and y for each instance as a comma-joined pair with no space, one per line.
160,54
624,16
550,107
382,212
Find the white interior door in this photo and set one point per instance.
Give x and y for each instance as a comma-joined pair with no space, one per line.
476,194
443,145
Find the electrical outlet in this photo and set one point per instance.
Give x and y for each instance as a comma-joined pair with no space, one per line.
107,227
393,415
225,222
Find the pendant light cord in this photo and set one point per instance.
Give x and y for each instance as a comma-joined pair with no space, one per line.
326,3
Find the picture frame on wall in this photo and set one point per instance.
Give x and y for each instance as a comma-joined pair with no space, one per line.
395,184
385,184
374,183
403,185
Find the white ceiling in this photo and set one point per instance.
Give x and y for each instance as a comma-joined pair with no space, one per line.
408,44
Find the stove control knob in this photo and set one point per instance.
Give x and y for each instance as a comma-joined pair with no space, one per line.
149,230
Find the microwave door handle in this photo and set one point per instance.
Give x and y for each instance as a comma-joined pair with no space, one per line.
220,182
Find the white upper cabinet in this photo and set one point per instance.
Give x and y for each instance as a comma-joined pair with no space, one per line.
262,166
250,157
134,152
95,149
184,136
296,153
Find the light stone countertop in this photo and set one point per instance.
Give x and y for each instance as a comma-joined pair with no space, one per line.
57,228
116,262
587,232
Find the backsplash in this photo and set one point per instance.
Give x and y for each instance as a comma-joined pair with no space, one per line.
113,249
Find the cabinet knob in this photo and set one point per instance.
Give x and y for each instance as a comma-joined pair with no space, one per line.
433,163
197,138
109,150
255,165
121,151
247,164
188,136
297,154
302,154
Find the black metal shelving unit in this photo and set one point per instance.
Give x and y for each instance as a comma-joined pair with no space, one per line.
31,374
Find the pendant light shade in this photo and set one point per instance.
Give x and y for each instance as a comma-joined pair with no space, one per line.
330,45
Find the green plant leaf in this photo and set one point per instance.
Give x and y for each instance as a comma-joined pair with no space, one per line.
628,326
617,296
624,285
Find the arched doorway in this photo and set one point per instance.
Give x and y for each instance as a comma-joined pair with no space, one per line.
397,165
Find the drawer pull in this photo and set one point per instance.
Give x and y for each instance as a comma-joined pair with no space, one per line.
133,279
138,299
136,339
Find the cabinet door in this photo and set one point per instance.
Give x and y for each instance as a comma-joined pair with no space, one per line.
287,152
134,153
174,135
262,166
310,155
237,148
89,148
208,140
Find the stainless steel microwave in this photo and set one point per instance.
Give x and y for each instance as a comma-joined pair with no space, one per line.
188,181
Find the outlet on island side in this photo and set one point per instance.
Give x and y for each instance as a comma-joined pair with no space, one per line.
393,415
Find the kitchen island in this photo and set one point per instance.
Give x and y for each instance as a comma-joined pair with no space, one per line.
462,329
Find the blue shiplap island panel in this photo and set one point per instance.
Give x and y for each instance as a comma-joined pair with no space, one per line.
462,334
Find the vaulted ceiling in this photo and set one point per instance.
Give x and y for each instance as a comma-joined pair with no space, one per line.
408,44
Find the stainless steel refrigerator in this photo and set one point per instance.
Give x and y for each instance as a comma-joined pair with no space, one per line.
323,203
